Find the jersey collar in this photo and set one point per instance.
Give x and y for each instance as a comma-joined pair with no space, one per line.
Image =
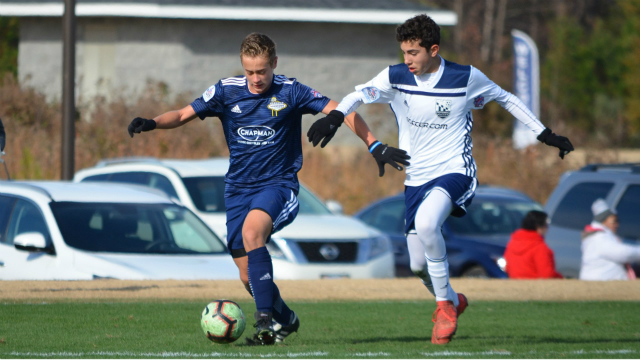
268,93
433,79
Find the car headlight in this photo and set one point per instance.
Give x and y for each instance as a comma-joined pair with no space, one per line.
275,251
378,246
501,262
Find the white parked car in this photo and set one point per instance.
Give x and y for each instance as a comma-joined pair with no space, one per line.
318,244
69,231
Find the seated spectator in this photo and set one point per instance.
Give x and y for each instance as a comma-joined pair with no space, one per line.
604,256
527,255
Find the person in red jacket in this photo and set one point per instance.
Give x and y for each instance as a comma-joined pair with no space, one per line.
527,255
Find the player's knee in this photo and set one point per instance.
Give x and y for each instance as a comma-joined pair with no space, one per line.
252,239
418,264
427,228
420,272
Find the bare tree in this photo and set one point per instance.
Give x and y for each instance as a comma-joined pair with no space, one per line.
485,49
497,43
535,8
458,7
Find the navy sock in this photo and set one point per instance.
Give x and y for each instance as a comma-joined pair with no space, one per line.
281,312
261,278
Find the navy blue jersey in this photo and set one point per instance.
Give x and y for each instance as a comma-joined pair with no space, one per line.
263,131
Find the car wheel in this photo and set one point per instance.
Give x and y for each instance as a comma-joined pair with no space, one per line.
475,271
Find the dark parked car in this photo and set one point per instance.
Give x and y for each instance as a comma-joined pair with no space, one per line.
475,242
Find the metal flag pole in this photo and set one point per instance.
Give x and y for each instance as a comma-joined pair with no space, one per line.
68,90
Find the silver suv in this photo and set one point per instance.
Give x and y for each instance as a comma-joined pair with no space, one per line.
569,208
319,244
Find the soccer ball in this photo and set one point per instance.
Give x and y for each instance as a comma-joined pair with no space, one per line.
223,321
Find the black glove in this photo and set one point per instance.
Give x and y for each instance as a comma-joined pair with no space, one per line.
558,141
139,124
385,154
325,128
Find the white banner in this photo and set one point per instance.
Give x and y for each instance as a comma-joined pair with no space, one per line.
526,85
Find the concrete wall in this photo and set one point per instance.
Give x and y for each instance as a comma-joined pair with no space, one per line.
122,54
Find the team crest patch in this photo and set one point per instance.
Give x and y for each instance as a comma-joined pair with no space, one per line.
443,108
209,93
478,101
276,106
315,93
371,94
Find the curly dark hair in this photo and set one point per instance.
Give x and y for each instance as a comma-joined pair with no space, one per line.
422,28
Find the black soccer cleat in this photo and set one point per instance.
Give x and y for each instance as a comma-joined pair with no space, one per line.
265,335
283,331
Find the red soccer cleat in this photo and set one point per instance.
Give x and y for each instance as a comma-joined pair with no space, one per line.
463,304
445,320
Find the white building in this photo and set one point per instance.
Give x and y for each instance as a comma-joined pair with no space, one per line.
330,45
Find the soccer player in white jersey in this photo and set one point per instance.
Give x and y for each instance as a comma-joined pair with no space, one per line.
261,117
432,100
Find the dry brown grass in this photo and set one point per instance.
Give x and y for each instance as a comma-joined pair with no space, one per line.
346,174
34,131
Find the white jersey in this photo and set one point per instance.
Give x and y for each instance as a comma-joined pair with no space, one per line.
433,112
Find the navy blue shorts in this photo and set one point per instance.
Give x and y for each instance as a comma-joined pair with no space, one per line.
279,202
459,188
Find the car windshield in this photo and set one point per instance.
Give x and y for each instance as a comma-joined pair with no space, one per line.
207,194
134,228
491,217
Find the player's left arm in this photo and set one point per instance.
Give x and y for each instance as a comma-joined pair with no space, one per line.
482,90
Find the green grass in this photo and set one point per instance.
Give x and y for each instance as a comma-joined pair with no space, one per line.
388,329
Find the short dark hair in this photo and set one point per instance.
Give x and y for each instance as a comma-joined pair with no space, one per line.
534,220
419,28
256,44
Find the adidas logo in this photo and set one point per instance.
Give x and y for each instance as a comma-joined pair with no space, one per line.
266,276
236,109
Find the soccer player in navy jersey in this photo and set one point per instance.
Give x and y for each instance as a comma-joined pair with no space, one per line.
432,99
261,118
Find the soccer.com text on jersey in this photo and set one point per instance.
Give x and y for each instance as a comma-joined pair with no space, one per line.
427,125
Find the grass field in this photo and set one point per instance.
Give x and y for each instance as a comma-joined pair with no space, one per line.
374,329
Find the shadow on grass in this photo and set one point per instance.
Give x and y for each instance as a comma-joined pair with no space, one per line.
545,340
513,340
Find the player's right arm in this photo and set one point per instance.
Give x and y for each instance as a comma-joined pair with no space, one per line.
169,120
377,90
209,104
175,118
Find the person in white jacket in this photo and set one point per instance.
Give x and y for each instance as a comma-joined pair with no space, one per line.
604,256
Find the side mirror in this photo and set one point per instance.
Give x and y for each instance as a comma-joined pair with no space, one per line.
32,242
334,206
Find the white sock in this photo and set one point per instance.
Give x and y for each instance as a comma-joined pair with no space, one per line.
431,214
